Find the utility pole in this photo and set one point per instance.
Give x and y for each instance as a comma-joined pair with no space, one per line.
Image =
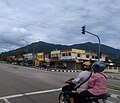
26,49
34,56
83,31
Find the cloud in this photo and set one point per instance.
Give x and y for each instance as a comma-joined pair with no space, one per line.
14,36
59,21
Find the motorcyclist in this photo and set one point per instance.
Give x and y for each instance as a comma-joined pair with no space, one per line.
83,75
97,84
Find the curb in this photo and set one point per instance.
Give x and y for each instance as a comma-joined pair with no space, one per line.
112,77
58,70
67,70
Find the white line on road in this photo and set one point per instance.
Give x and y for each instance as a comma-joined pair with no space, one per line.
6,100
46,91
109,102
31,93
115,96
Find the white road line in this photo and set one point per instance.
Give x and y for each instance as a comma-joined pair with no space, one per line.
31,93
115,96
46,91
109,102
6,100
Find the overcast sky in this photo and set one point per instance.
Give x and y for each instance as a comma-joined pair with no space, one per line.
58,21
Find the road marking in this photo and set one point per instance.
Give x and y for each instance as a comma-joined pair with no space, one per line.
6,100
115,96
31,93
46,91
109,102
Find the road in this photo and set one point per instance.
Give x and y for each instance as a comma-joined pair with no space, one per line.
28,85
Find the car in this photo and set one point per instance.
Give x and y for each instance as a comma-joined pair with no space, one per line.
45,66
61,67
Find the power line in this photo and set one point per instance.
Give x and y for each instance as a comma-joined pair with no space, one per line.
41,26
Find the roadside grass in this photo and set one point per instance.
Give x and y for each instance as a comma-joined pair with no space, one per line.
112,72
114,87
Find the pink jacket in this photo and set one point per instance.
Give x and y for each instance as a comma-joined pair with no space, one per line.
97,84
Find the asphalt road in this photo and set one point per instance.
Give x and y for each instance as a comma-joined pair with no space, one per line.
27,85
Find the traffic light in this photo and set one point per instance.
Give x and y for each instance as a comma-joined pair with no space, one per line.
83,30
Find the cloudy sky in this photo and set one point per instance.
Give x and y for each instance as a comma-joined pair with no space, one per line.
58,21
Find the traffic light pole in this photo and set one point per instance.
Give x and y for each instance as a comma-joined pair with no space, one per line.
99,43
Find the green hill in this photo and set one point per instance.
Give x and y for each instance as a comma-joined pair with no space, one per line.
114,54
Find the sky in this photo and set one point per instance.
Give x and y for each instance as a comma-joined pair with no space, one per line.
23,22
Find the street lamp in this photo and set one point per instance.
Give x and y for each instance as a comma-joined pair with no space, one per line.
25,41
26,49
34,55
83,31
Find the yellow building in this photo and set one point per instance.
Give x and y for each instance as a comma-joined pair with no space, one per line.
71,54
43,57
56,55
39,58
78,51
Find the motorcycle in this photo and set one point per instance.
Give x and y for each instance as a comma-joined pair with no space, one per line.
72,88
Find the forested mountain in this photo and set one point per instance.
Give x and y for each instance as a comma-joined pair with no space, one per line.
40,46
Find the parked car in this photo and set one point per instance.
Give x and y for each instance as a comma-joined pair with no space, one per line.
45,66
61,67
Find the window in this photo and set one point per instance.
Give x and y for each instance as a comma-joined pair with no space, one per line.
110,67
63,54
66,54
115,67
78,55
87,56
41,56
69,54
96,57
93,57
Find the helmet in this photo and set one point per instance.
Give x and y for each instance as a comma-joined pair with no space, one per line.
98,66
86,66
87,63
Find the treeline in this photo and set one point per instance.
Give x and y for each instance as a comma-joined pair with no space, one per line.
113,54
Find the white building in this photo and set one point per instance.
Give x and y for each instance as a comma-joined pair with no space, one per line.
28,56
71,54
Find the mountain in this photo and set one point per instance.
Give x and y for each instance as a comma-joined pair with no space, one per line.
114,54
94,47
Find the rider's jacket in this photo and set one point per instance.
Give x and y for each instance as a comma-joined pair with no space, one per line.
82,77
97,84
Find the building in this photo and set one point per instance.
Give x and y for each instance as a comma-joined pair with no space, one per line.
91,56
28,56
72,58
71,54
65,59
112,67
43,58
47,57
28,59
40,58
56,55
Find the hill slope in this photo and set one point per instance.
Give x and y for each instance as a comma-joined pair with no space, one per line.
40,46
